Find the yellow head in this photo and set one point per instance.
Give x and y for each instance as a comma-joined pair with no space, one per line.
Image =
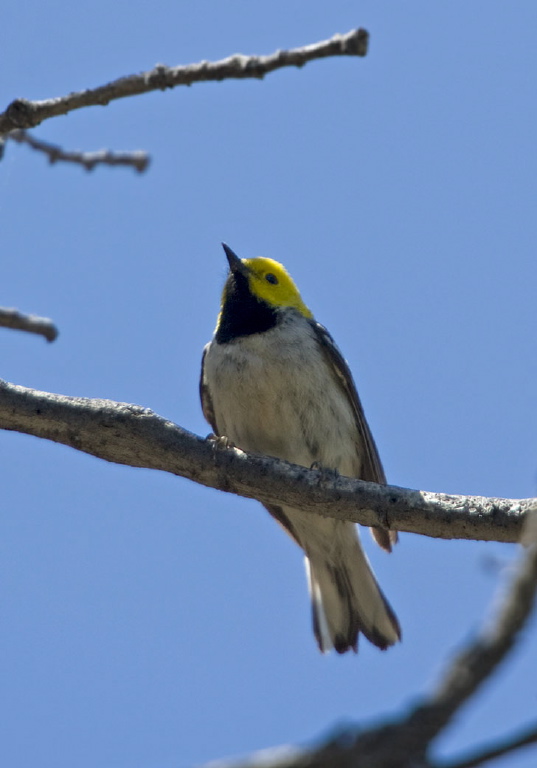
255,291
268,281
271,282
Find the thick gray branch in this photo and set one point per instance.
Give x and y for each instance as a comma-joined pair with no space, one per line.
11,318
475,664
22,113
138,160
129,434
406,742
132,435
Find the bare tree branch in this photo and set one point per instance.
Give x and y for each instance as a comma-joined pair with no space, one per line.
473,665
22,113
11,318
499,749
132,435
138,160
406,742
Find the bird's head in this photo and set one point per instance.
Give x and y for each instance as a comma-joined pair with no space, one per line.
256,290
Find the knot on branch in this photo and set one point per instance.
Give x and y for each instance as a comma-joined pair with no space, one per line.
161,77
21,113
355,43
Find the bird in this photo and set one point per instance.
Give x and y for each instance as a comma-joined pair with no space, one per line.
274,382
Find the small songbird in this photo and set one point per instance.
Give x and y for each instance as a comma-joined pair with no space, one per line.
274,382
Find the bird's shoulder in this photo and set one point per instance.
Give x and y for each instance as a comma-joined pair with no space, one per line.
372,470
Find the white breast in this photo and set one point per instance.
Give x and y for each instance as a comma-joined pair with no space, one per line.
275,393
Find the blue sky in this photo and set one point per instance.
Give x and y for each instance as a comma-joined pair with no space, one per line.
146,621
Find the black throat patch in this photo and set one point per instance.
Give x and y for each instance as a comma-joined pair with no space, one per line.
243,314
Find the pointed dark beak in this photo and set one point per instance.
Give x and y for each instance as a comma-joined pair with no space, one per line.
235,264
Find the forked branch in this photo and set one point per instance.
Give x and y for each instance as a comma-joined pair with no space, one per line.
407,741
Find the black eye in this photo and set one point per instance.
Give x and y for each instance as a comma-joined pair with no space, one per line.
270,278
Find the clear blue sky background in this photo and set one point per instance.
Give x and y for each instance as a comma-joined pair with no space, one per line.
146,622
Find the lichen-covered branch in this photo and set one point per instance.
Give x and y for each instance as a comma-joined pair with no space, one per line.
132,435
138,160
23,113
12,318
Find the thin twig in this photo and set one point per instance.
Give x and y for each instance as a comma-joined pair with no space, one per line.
138,160
492,752
23,113
135,436
11,318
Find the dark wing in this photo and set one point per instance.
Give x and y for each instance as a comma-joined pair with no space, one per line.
372,470
205,396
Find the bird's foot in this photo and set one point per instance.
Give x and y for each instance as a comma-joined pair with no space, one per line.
220,442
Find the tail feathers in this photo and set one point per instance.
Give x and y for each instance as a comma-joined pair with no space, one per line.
346,600
384,538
